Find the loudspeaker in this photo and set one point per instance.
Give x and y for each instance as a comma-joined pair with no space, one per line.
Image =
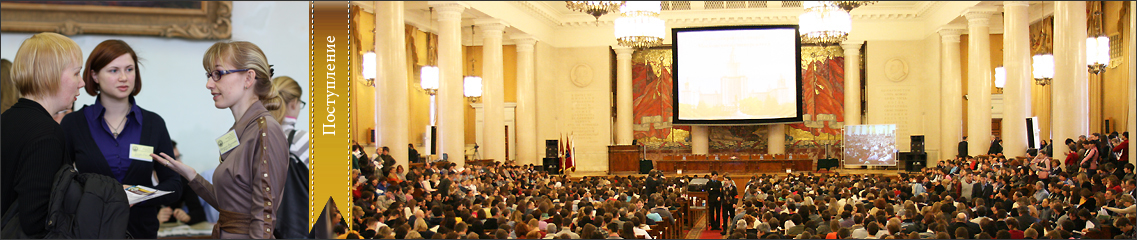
917,143
551,148
372,138
914,162
1032,138
433,140
646,166
552,165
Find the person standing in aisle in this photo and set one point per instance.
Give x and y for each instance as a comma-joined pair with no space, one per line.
714,201
729,195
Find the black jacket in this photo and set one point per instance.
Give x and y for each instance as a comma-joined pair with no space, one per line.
962,149
80,145
33,153
714,191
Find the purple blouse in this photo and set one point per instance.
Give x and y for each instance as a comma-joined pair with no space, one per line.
116,151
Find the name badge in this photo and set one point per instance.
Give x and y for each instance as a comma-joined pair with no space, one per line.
227,142
141,152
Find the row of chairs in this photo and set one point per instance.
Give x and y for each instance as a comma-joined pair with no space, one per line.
742,156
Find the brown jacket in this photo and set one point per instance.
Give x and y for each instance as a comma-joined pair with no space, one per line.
249,183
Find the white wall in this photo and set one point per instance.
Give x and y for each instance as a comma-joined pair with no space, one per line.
582,110
898,101
174,80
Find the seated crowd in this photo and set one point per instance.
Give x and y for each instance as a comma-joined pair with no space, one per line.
982,197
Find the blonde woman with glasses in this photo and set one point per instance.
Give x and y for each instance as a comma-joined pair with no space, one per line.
248,184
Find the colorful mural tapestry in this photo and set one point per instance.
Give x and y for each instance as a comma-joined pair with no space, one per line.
823,94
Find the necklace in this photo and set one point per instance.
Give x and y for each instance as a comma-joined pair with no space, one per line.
116,130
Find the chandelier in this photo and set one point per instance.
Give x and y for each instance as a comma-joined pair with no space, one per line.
369,70
639,25
594,8
472,88
1097,44
1000,77
1097,53
850,5
824,23
1043,68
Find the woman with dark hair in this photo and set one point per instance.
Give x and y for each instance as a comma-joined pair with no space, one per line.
102,136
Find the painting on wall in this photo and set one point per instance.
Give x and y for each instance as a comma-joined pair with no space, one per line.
819,135
174,19
651,102
823,74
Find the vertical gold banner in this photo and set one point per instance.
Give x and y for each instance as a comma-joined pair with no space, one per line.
330,149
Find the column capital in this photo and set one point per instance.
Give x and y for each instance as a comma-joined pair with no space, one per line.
979,15
621,50
491,26
950,34
851,47
524,42
449,10
1015,4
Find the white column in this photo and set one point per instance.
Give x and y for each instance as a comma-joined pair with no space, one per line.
527,145
951,93
1016,60
493,85
451,102
852,82
979,80
700,138
624,115
776,139
1071,84
391,108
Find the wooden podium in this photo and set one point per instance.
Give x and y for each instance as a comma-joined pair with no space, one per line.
624,159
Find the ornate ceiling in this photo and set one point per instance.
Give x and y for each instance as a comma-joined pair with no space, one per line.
553,23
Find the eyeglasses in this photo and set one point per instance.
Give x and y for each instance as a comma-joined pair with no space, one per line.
302,103
216,74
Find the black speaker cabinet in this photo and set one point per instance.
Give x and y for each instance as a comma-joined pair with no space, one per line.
433,140
917,143
914,162
646,166
551,148
552,165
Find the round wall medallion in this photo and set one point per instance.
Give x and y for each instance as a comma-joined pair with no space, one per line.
895,69
581,75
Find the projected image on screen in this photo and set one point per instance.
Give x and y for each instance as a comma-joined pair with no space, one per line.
871,145
737,74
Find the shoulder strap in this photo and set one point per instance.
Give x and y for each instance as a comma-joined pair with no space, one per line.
291,135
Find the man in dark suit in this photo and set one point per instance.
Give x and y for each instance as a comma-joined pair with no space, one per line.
980,189
729,192
444,185
963,147
714,200
650,184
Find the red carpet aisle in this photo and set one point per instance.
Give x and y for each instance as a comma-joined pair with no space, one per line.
701,231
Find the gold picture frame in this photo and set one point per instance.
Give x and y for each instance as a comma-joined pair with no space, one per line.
184,19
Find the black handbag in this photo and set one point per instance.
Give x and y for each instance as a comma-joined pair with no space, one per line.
292,219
